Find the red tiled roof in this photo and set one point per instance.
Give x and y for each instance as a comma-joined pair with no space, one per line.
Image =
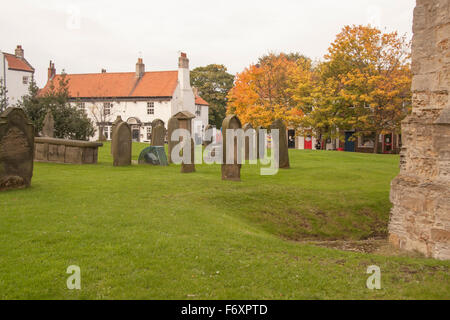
199,100
123,84
16,63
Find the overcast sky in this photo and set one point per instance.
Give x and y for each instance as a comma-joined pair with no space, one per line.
86,36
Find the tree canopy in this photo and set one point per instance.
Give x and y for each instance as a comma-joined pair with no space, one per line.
213,83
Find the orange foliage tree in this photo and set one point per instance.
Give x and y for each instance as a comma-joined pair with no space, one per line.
263,92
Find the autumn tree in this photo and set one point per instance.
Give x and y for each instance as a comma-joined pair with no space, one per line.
213,83
264,92
364,84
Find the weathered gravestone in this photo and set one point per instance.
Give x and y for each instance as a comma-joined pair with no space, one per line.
420,216
208,139
189,166
172,125
121,144
48,130
158,135
282,143
154,155
16,149
230,171
114,125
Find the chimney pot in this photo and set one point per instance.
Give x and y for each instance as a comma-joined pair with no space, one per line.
19,51
51,71
140,68
183,61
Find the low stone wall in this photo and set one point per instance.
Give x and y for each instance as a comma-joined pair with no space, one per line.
65,151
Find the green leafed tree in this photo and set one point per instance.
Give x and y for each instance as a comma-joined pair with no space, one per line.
213,83
70,122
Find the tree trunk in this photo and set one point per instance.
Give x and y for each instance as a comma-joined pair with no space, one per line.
375,144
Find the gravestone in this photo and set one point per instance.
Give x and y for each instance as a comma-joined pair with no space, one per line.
172,125
282,143
230,171
114,124
420,216
208,142
189,167
158,135
48,129
153,155
16,149
121,144
246,127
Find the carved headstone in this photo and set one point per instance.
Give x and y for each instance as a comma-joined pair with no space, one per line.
122,143
420,216
16,149
172,125
282,143
158,135
48,130
114,125
230,171
189,167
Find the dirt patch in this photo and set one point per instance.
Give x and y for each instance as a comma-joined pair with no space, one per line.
365,246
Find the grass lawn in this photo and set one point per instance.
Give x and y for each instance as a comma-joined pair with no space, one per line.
153,233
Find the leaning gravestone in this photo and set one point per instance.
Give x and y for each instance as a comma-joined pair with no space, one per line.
121,144
114,125
48,130
158,135
282,143
16,149
231,171
154,155
172,125
189,167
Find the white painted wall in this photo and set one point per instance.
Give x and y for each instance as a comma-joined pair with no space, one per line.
14,81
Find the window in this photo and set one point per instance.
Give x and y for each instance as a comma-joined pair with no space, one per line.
81,105
150,108
107,108
25,79
198,111
366,140
149,133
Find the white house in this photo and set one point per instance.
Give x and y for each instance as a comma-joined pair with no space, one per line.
138,97
16,74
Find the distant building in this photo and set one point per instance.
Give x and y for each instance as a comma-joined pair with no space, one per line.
138,97
16,73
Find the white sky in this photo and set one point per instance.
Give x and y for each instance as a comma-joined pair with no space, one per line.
86,36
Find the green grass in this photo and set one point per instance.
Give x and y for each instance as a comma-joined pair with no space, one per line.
153,233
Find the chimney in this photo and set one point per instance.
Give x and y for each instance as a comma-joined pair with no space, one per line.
51,71
195,91
183,61
103,70
19,52
140,68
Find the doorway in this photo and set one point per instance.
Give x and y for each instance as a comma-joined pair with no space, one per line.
291,138
349,144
